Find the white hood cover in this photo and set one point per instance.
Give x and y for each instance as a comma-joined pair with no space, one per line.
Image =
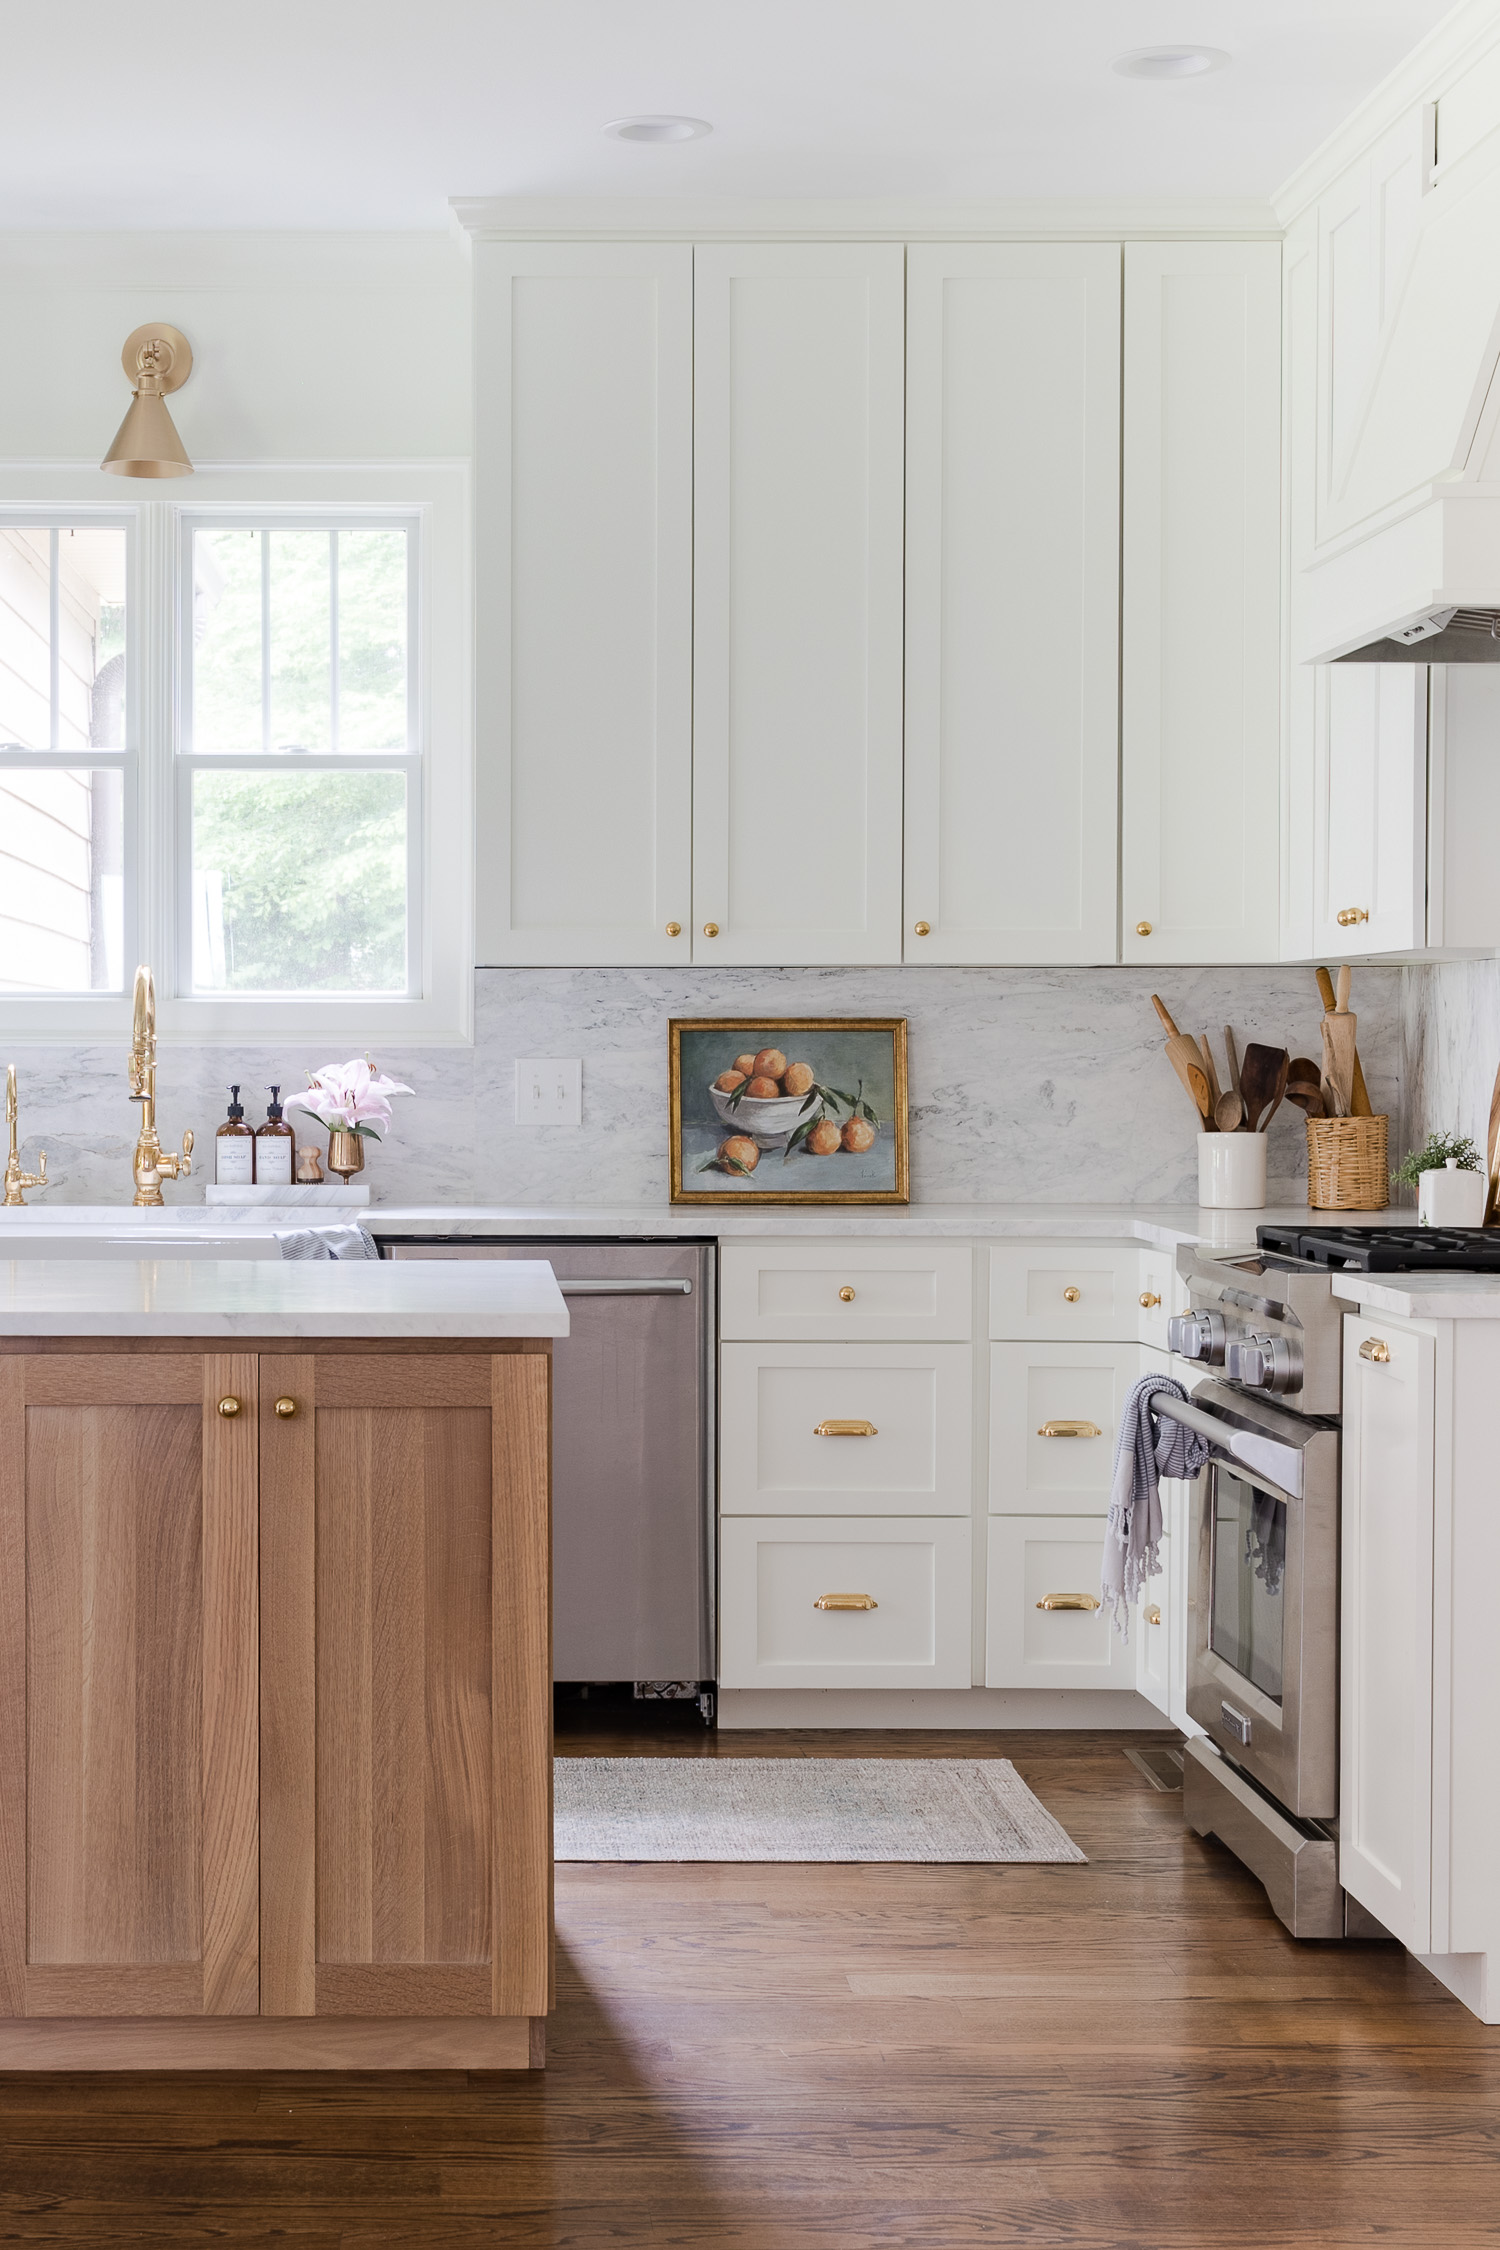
1418,488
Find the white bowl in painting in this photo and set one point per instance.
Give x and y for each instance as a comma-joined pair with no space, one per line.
768,1124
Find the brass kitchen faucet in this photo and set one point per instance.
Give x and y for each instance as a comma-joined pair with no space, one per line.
151,1166
15,1178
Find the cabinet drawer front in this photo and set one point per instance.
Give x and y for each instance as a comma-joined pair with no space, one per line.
1054,1294
904,1448
1040,1387
1151,1631
772,1575
863,1291
1033,1558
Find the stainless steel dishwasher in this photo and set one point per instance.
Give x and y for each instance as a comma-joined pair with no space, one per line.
632,1454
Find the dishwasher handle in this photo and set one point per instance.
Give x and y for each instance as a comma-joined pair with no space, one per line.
624,1286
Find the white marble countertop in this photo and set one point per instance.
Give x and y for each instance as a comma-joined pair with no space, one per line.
1423,1296
213,1297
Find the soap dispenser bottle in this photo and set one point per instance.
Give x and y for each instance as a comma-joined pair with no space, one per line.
234,1147
275,1145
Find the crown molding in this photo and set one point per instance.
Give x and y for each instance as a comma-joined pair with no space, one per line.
1424,75
642,218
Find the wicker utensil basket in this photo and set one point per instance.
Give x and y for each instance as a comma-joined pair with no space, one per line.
1348,1167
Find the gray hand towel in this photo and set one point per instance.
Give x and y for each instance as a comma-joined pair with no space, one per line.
346,1239
1144,1455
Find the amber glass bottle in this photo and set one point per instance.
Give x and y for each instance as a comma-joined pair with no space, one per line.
275,1146
234,1147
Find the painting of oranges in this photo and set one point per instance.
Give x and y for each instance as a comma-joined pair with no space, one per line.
797,1111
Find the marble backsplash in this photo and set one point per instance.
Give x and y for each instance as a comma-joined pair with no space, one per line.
1450,1048
1026,1085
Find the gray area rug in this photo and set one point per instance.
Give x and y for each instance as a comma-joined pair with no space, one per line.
855,1809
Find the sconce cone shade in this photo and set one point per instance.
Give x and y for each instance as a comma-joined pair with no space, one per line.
147,444
156,359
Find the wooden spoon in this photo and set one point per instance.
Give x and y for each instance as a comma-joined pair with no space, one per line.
1306,1094
1186,1059
1281,1080
1260,1079
1359,1098
1339,1050
1209,1072
1229,1112
1234,1067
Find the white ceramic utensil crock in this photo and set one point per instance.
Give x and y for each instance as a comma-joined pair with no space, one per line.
1232,1171
1450,1198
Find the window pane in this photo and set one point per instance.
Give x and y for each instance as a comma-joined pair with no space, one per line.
301,620
82,705
226,641
299,882
62,856
372,640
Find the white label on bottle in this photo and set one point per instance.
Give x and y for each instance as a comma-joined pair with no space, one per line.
273,1159
234,1160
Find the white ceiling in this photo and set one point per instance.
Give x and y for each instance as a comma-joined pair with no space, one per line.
371,113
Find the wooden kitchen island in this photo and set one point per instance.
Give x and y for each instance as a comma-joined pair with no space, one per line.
275,1674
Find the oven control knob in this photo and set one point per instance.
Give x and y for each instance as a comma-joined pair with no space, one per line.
1197,1335
1265,1363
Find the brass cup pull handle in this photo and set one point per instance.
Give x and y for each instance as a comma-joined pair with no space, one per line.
1070,1429
1152,1613
1348,916
1068,1601
1373,1348
846,1295
285,1409
846,1601
1147,1299
229,1407
1071,1294
845,1429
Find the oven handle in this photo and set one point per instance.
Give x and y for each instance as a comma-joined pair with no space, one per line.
1281,1463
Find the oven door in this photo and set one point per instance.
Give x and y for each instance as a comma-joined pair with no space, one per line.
1263,1648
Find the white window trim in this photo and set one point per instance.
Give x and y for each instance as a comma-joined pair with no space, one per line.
436,495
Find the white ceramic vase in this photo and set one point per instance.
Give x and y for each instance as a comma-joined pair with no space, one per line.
1232,1171
1450,1198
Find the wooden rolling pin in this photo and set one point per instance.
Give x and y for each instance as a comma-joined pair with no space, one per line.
1359,1105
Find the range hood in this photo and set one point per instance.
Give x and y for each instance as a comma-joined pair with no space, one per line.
1405,568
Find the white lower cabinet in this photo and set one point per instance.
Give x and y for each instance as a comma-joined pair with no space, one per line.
1054,1411
1151,1631
857,1429
844,1602
1386,1626
1038,1566
1052,1291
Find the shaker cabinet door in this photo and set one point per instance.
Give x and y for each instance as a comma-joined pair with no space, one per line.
584,500
128,1685
798,443
1012,597
406,1686
1369,809
1201,609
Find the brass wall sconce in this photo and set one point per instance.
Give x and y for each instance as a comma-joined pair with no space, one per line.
157,360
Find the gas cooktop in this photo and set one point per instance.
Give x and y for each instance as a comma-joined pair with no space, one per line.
1387,1249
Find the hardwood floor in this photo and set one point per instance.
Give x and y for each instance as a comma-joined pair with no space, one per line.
1131,2053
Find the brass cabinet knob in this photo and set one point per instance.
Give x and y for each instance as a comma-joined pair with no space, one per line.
1068,1601
710,929
229,1407
846,1601
286,1408
1143,929
1071,1295
1349,915
1152,1613
1373,1348
846,1295
922,929
674,929
1147,1299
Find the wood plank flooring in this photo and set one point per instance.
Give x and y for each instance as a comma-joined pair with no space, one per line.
1130,2055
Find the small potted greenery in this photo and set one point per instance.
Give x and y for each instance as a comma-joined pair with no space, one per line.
1449,1179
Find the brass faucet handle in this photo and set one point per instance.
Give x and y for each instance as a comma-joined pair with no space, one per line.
187,1154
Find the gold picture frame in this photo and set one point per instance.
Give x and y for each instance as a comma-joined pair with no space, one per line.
855,1079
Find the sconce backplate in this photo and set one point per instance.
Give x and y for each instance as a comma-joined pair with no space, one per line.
182,354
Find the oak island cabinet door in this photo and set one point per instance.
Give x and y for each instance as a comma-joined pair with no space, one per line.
797,602
406,1685
1200,660
128,1721
1012,599
584,499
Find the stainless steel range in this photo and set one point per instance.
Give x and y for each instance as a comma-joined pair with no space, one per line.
1263,1563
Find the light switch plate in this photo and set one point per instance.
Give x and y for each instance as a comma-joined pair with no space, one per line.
548,1092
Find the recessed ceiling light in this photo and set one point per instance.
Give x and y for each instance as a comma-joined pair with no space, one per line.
1170,62
658,128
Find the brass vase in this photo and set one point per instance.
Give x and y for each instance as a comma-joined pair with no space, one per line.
346,1153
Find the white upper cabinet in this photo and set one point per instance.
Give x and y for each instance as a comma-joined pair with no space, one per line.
1370,809
798,448
1012,600
1200,671
583,443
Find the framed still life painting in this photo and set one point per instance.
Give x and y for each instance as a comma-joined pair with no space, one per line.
801,1109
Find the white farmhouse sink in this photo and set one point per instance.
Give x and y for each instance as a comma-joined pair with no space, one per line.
104,1230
